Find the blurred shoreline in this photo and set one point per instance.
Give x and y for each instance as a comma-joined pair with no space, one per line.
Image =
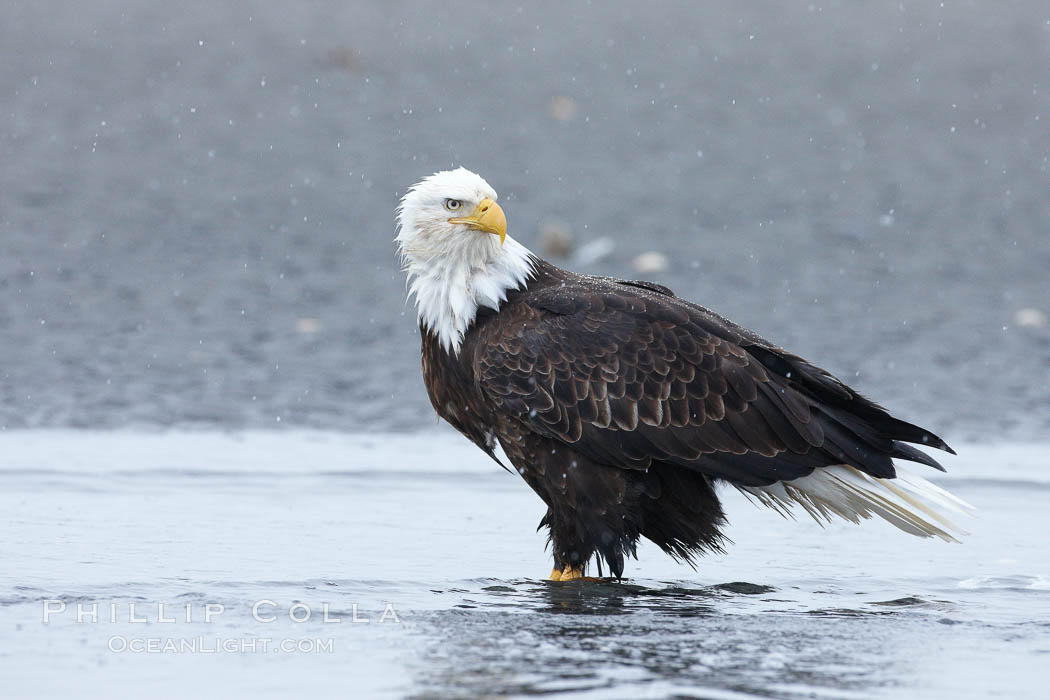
196,203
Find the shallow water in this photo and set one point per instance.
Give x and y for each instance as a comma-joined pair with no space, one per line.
424,529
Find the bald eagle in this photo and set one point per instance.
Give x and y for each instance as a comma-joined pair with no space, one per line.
623,406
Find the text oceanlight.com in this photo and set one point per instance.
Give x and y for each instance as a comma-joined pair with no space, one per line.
217,645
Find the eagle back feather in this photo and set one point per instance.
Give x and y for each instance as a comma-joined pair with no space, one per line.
627,373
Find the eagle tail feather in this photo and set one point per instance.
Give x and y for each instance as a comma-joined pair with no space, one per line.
908,502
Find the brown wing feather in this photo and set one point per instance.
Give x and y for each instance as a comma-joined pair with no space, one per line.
628,374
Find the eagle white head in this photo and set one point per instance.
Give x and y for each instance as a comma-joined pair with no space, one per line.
453,242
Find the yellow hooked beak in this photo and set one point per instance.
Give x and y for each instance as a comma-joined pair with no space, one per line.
488,217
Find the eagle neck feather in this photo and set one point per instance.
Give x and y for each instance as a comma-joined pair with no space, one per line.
451,286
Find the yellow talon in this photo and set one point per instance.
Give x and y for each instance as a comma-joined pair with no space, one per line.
567,574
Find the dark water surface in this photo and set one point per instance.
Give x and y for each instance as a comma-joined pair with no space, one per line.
428,526
196,199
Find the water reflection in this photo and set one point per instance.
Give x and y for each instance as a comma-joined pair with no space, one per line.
532,638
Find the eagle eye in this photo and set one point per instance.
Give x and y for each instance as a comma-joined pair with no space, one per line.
453,204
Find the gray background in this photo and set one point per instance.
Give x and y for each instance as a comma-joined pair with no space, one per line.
196,203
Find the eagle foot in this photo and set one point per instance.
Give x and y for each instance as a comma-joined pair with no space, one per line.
571,574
